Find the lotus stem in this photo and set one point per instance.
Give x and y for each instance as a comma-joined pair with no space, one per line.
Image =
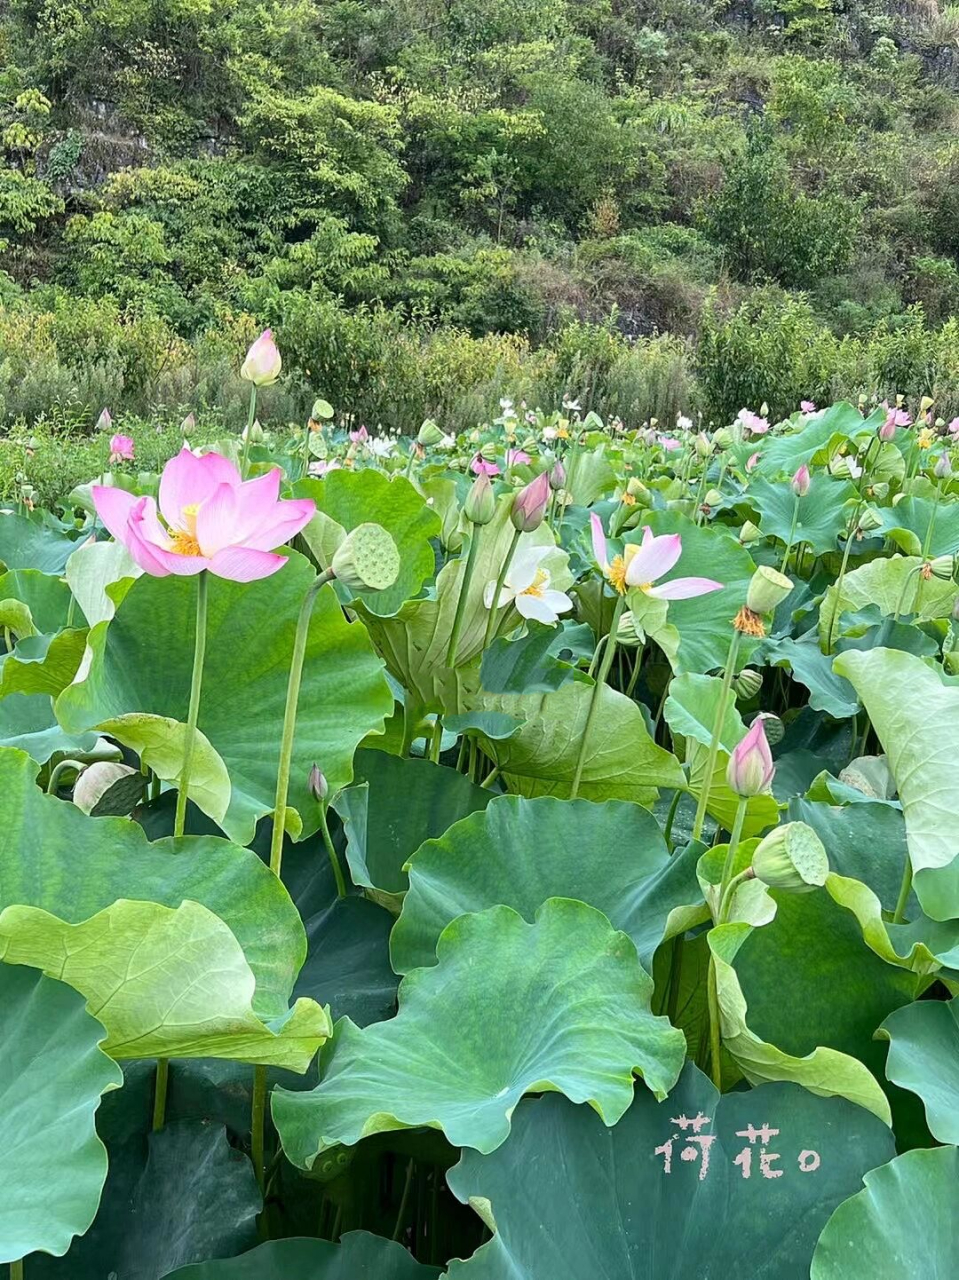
57,772
711,758
331,852
196,686
904,890
16,1270
601,674
715,1034
494,604
850,534
250,418
160,1092
734,838
792,534
464,593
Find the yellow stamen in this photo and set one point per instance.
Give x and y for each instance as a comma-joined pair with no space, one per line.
628,500
184,544
617,574
535,588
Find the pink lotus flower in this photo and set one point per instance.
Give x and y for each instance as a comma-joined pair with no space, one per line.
322,468
211,519
668,443
895,418
800,482
640,565
360,435
752,462
121,449
807,406
750,769
752,423
953,427
262,364
515,457
479,466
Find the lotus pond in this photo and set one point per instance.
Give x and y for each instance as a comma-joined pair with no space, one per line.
522,856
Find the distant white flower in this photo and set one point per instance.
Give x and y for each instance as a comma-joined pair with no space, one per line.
380,446
683,423
447,442
321,467
550,433
527,586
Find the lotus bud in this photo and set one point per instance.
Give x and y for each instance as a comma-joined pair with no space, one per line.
104,422
367,559
188,425
887,431
791,858
767,590
764,410
557,476
529,505
863,400
480,504
429,434
749,533
943,467
319,787
107,788
702,444
627,633
748,683
800,482
262,364
750,769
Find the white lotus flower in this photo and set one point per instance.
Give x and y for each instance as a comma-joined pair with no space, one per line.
527,586
380,446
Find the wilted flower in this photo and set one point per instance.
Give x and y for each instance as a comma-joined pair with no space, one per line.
121,449
262,364
641,564
750,769
211,519
527,587
800,482
529,505
481,467
187,425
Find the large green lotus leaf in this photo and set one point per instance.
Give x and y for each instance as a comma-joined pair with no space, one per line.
43,664
785,454
890,585
908,522
52,1073
924,1058
397,804
866,841
165,982
823,1070
923,946
174,1197
916,718
159,742
813,957
821,511
521,852
704,623
690,711
828,691
527,664
568,1199
56,858
351,498
35,541
27,722
900,1227
46,596
250,633
510,1007
414,643
589,476
92,569
358,1256
622,761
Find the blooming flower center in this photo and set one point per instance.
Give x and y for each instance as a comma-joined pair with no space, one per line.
184,541
538,585
617,574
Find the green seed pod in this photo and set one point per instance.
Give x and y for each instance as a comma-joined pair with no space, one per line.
941,567
747,684
869,520
767,590
429,434
749,533
367,559
713,498
773,727
791,858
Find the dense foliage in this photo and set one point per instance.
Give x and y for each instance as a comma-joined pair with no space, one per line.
652,205
525,854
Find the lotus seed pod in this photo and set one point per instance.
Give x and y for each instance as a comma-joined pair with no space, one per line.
749,533
713,498
791,858
941,567
367,559
773,727
107,788
748,683
429,434
767,590
870,520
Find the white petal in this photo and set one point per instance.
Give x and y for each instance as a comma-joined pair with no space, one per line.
525,566
558,601
534,607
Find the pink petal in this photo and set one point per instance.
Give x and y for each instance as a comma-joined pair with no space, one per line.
255,500
684,588
599,540
654,558
114,507
288,518
217,520
242,564
188,480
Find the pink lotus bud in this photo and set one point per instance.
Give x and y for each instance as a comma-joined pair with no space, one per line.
888,429
750,769
557,476
529,505
360,435
262,364
318,784
943,467
121,449
800,482
104,422
480,504
752,461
